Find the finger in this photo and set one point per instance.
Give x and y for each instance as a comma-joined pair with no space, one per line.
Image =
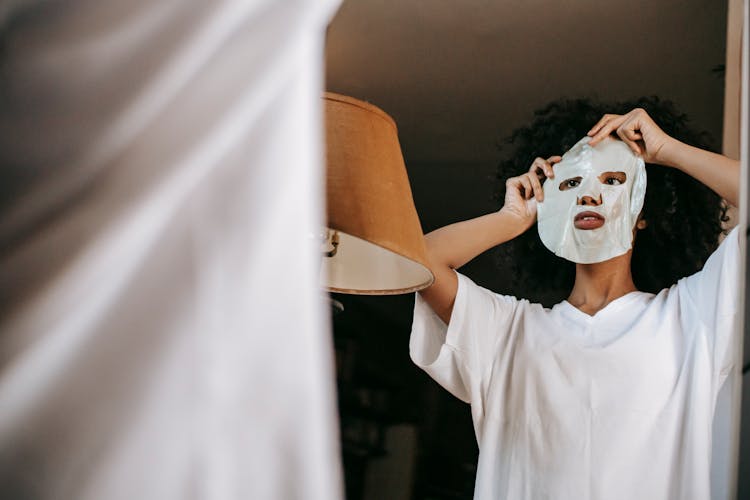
604,119
611,126
549,171
515,188
536,165
531,207
528,191
629,136
514,184
537,187
542,168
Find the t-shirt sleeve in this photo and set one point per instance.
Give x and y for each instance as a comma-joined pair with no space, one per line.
458,355
714,292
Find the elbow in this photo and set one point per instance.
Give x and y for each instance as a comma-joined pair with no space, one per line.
438,258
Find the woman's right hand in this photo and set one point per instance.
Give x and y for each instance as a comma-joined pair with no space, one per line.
523,192
639,131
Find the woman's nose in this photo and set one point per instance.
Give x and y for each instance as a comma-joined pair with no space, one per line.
590,200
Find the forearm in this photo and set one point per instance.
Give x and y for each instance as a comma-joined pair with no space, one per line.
456,244
716,171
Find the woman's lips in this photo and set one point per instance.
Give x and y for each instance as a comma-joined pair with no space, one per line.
588,220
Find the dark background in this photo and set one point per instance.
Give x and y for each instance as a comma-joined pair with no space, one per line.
458,77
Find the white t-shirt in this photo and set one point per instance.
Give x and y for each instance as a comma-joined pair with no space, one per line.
571,406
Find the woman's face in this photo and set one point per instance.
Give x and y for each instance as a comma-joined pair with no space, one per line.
592,204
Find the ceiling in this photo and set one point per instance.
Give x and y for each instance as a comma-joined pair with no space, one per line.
459,76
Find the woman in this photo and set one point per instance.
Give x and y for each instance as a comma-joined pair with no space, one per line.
610,393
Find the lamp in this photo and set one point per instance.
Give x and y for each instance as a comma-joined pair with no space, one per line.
374,239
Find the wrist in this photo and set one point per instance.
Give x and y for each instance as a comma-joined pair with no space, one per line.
669,153
513,222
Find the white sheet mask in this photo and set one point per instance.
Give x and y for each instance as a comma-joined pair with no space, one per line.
607,181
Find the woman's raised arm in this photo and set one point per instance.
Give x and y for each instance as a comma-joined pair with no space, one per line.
452,246
644,137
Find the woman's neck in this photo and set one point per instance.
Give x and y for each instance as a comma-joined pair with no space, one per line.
599,284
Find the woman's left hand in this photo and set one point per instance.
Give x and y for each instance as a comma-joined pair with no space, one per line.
638,131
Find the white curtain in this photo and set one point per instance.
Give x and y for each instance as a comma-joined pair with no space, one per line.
161,331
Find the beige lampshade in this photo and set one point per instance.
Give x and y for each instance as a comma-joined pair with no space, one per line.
381,248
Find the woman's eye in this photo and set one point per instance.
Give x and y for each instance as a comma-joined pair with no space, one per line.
570,183
613,178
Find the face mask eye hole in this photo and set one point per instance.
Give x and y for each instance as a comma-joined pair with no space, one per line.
571,183
613,178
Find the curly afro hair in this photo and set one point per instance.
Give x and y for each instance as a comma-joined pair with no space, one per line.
684,217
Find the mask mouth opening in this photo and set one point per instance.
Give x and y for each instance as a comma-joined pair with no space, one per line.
588,220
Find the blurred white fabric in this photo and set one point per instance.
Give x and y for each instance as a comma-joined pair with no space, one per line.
161,332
